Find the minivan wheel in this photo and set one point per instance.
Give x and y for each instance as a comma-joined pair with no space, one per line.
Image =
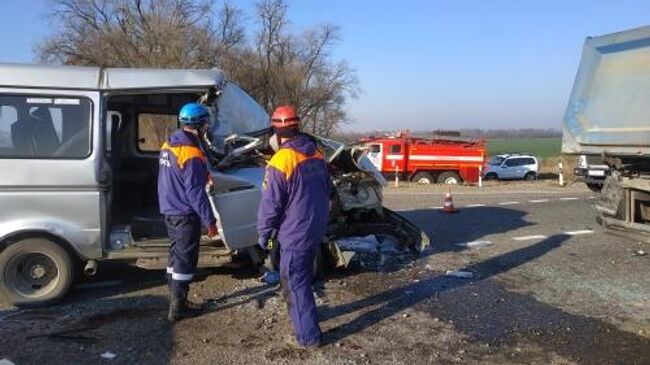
530,176
449,178
35,272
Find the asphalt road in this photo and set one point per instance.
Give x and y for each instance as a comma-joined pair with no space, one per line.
548,286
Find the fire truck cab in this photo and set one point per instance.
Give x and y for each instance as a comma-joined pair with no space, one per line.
442,159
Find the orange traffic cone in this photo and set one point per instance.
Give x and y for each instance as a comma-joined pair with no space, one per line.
448,206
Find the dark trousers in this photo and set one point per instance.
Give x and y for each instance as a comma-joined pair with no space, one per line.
185,234
296,276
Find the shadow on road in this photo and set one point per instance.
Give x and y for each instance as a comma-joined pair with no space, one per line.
487,312
468,224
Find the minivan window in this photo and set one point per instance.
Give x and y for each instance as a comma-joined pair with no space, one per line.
44,127
154,129
512,162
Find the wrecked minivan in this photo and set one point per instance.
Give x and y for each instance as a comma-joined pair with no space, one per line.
79,159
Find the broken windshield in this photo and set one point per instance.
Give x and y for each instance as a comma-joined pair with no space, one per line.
237,113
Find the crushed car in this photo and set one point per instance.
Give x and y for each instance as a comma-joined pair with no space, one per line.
82,143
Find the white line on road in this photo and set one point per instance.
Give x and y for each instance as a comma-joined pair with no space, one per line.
508,203
437,207
591,197
570,198
575,233
539,201
474,205
475,244
528,238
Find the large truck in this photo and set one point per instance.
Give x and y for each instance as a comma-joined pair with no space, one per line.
608,116
443,159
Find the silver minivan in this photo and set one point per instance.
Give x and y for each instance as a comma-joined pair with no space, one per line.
79,159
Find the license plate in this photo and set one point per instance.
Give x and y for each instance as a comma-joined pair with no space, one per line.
596,173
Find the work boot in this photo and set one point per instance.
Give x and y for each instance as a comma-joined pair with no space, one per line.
293,343
183,308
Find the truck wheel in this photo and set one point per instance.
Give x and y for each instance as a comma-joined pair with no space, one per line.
36,272
594,187
422,178
530,176
449,178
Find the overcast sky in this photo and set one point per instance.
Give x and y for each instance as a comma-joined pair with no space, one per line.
431,64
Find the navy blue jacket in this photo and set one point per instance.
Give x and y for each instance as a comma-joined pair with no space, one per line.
182,177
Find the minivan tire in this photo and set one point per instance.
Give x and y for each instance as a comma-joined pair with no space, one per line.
35,272
447,177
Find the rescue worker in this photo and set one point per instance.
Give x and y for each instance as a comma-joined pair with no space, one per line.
295,206
183,175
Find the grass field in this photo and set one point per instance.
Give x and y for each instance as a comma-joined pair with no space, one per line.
540,147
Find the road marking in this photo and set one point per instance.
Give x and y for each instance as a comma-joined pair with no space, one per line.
539,201
474,205
528,238
475,244
508,203
575,233
437,207
570,198
591,197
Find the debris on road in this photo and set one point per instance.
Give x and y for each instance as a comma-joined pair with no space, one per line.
108,355
367,244
460,274
640,253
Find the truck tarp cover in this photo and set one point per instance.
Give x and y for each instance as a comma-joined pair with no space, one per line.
609,106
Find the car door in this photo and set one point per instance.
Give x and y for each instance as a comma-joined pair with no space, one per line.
507,169
375,155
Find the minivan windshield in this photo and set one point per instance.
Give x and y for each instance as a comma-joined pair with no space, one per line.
237,113
496,160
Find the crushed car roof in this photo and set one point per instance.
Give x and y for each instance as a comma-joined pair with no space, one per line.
96,78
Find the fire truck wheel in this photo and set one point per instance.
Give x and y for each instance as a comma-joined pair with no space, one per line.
422,178
449,178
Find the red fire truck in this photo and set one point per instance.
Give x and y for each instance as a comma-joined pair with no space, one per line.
441,159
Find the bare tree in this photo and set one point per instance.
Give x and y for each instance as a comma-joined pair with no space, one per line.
140,33
273,65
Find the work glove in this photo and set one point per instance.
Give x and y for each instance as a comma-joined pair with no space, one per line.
212,230
264,244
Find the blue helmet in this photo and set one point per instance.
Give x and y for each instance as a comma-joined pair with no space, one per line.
193,114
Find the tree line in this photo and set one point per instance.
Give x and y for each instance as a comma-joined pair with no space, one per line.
350,136
272,63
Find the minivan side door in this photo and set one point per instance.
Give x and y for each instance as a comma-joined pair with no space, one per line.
50,158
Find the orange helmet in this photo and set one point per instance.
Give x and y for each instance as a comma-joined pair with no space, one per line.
285,116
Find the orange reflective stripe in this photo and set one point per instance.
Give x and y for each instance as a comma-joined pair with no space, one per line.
184,153
286,160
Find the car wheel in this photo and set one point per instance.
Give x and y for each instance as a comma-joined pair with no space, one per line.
449,178
35,272
595,187
530,176
422,178
491,176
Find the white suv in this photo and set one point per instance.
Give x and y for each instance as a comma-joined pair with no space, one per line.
511,166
